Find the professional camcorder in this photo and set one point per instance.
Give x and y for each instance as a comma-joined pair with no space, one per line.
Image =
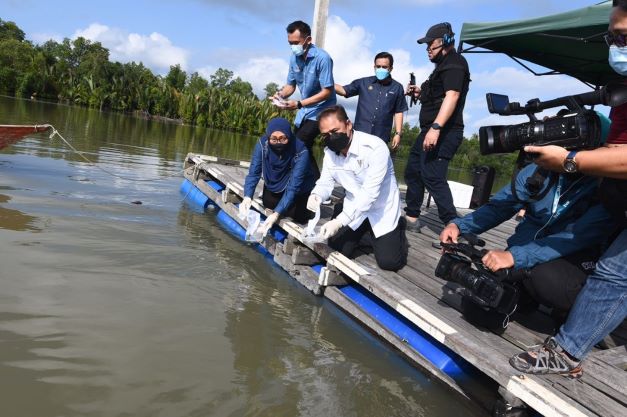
574,128
485,288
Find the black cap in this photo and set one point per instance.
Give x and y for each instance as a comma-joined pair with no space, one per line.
437,31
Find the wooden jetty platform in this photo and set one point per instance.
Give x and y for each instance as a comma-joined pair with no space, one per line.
430,306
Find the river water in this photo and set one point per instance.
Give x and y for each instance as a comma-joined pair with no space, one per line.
109,308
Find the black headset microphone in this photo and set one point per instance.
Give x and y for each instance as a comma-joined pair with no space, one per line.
448,38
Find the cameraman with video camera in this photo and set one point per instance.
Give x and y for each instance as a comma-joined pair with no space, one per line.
556,244
601,306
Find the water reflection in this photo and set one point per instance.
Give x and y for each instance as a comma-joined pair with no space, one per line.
117,309
289,357
14,219
91,131
40,364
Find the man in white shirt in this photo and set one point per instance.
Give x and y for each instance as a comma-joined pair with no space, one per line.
360,163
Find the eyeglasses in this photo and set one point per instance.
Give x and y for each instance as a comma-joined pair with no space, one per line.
278,139
435,48
617,39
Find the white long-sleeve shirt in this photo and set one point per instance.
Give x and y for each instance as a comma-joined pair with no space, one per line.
367,175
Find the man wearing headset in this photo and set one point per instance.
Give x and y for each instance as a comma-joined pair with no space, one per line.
442,99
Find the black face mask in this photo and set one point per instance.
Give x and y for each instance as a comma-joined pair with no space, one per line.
337,142
278,148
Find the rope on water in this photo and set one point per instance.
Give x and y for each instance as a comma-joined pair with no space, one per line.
55,132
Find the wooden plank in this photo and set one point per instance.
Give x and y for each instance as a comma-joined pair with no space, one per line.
616,357
533,390
605,378
486,351
589,396
416,294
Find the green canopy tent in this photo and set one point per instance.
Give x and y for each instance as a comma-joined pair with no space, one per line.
568,43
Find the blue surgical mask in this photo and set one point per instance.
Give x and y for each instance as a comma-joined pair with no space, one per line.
381,73
618,59
297,49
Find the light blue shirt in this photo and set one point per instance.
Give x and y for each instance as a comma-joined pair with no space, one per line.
311,75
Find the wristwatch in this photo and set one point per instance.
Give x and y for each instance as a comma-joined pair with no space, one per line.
398,133
436,126
299,104
569,164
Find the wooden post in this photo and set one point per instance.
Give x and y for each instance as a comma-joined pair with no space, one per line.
321,12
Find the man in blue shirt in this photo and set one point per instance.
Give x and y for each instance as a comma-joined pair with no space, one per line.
311,69
381,100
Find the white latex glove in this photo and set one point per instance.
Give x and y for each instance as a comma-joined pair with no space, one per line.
313,202
330,228
267,225
244,206
247,202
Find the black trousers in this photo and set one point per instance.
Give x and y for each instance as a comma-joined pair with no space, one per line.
390,250
556,283
297,211
307,132
428,170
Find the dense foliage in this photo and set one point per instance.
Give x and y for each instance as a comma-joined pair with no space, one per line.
79,72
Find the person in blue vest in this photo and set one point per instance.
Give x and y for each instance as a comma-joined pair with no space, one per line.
283,161
381,101
311,70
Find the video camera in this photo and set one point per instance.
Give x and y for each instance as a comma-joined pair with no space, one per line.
483,287
578,128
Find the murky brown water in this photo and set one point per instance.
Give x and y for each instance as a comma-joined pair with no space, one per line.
113,309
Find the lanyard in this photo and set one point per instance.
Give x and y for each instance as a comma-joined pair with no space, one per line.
556,198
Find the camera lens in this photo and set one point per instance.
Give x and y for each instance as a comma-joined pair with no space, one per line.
487,142
571,132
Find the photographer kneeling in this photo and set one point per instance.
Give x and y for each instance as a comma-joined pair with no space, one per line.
602,304
555,245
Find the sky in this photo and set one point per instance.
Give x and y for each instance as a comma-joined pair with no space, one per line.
248,37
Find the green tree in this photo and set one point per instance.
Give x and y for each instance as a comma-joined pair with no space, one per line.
241,87
176,77
9,30
221,78
271,89
79,72
15,60
197,84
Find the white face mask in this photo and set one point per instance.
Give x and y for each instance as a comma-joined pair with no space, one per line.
618,59
297,49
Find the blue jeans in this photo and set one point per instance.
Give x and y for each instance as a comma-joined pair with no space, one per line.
601,306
